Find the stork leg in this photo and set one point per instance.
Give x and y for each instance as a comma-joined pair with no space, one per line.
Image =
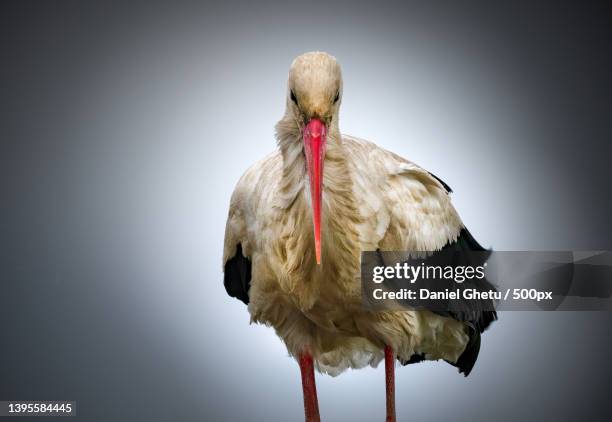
311,404
390,383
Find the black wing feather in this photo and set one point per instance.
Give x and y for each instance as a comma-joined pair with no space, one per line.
237,276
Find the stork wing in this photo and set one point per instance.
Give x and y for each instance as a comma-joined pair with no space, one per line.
475,314
419,216
236,256
251,201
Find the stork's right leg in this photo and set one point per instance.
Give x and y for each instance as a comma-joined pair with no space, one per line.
311,404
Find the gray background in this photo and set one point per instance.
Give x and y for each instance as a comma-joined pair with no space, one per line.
124,129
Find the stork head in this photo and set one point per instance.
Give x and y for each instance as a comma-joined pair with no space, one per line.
314,89
314,93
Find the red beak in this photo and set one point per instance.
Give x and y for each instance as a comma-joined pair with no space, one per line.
315,135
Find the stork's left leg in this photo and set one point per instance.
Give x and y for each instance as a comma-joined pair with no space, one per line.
390,383
311,404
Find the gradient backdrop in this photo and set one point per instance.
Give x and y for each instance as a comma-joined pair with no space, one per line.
125,127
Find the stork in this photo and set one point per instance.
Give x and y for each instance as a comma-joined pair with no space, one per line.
298,221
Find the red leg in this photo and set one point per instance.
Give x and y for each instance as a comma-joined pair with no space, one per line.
390,382
311,404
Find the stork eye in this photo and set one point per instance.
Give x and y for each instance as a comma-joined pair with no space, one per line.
337,97
293,97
